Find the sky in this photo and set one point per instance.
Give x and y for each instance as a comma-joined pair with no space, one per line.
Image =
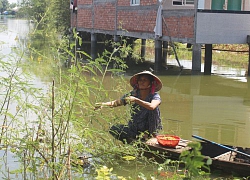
12,1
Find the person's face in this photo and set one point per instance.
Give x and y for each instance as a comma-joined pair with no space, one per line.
144,82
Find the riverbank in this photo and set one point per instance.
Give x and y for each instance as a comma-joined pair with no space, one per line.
232,55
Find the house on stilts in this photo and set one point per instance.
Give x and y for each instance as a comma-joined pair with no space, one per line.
195,22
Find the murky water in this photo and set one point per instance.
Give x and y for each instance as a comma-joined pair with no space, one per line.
215,107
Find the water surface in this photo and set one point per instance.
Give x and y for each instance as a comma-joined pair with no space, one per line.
215,107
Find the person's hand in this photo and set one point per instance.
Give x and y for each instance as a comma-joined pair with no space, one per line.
145,136
98,106
130,99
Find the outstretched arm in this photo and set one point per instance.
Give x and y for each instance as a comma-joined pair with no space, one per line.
114,103
148,105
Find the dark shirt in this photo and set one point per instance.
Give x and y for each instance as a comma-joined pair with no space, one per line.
143,119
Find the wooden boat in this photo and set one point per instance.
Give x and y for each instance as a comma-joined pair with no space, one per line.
231,162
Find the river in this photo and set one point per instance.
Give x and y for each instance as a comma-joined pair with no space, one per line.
215,107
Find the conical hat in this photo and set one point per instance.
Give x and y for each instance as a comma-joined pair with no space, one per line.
157,81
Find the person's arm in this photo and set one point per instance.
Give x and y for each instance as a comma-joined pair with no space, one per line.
111,104
114,103
148,105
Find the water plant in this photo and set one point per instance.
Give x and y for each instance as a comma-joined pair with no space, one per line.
195,163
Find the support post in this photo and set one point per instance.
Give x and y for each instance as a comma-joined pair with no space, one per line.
208,59
165,53
116,41
93,46
158,55
196,58
248,42
143,49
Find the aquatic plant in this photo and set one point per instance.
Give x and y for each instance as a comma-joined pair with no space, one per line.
195,163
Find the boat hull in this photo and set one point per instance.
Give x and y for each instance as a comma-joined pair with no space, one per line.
222,159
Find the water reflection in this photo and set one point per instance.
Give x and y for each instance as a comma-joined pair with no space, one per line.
13,33
225,71
214,107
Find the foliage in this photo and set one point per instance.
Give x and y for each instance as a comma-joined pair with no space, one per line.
55,132
60,15
194,161
104,174
223,54
4,4
47,14
64,133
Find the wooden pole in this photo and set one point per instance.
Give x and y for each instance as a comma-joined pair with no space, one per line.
221,145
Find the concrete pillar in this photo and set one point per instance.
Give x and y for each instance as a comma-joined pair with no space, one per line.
165,52
143,49
158,55
208,59
196,58
93,46
116,41
248,42
116,38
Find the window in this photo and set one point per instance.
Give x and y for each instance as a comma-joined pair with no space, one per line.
183,2
134,2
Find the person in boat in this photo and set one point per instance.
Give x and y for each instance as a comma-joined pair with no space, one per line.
145,117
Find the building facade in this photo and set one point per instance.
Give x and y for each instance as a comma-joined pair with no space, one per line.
195,22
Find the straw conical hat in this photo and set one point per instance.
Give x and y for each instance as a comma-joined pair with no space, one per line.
157,81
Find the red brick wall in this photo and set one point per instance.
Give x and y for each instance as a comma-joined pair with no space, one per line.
131,19
104,16
179,27
142,20
148,2
73,20
84,2
123,3
84,18
142,2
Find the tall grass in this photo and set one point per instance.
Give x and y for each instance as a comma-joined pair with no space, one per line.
222,55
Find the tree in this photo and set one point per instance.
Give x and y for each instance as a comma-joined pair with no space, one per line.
52,13
60,14
12,5
3,5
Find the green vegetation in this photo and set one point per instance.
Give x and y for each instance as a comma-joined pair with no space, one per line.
194,161
3,5
6,6
56,134
54,131
224,55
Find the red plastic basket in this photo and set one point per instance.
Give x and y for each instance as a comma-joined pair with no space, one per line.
168,140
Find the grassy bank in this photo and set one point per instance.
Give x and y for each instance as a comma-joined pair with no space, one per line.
223,54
